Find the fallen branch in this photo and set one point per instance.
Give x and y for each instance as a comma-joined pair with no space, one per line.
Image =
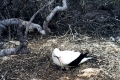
22,24
20,49
17,21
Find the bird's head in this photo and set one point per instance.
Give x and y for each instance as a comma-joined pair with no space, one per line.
56,53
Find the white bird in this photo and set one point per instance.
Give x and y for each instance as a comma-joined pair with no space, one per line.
68,58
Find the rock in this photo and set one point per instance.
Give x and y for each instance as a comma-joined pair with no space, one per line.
89,72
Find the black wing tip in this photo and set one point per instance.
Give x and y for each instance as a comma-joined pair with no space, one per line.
92,57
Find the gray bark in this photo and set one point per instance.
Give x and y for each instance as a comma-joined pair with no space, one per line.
28,25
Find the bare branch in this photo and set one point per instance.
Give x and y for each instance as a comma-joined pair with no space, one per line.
22,24
35,16
57,8
17,21
22,48
18,50
50,16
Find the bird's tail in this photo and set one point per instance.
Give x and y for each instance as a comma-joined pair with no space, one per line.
86,53
85,59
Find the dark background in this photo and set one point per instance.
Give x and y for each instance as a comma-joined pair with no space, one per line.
83,15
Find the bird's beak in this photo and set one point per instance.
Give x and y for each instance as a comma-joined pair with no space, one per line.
60,62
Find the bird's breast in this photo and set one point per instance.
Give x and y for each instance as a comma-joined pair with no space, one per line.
56,61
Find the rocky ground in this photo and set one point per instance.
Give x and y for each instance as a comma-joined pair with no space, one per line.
38,65
87,22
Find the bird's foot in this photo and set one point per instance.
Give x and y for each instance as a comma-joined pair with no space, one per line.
65,68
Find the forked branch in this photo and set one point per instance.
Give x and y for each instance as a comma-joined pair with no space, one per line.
27,27
22,36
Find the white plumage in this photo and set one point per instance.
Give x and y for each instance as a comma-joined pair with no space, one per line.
68,58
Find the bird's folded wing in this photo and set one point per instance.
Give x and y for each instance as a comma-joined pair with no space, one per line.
69,56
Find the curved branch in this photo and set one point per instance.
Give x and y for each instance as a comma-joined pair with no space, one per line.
50,16
17,21
57,8
22,37
26,31
20,49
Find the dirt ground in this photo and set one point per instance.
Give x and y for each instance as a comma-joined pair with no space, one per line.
85,18
38,65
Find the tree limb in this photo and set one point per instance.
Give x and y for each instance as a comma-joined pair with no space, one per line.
22,24
27,27
17,21
50,16
20,49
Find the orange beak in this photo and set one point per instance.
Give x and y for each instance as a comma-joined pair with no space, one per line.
60,62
